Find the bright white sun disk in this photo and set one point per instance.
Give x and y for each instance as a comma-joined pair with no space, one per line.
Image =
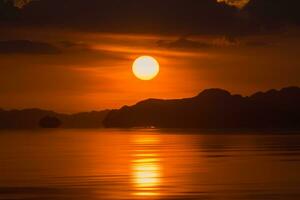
145,68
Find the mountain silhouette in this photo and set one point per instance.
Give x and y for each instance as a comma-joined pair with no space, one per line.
214,109
31,118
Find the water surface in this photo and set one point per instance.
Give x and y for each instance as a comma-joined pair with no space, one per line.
148,164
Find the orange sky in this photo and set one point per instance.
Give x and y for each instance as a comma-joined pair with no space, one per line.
95,73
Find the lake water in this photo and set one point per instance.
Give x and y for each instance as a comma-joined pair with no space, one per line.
148,164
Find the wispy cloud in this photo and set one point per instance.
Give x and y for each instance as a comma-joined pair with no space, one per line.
20,3
27,47
183,43
237,3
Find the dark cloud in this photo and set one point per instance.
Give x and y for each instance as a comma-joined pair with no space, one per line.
179,17
75,46
134,16
270,14
27,47
8,12
258,44
183,43
72,44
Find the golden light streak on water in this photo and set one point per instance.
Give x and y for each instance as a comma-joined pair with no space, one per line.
146,166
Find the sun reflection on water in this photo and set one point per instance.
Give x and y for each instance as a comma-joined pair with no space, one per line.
146,166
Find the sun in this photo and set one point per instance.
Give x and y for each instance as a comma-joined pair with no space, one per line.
145,68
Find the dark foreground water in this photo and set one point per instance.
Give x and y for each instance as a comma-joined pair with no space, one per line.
141,164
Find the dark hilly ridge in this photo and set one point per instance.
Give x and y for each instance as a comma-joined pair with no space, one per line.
214,109
30,118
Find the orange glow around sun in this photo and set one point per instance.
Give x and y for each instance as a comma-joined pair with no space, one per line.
145,68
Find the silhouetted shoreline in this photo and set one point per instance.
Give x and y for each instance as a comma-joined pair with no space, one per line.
215,109
211,110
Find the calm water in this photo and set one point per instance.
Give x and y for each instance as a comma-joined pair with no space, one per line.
141,164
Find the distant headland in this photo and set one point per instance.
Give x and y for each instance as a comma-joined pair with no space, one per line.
214,109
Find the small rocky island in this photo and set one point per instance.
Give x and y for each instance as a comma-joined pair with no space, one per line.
49,122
